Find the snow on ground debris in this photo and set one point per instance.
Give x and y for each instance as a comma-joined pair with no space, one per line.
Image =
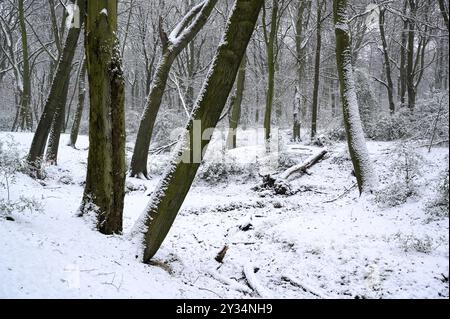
314,243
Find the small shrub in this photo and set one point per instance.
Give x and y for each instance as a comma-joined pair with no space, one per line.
404,172
439,206
413,243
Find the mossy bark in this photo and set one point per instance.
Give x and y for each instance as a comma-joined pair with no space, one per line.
236,106
55,96
79,111
168,197
105,180
138,167
355,136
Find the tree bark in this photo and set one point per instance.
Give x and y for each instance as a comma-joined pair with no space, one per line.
236,106
55,96
156,220
270,47
79,112
355,135
172,47
315,103
25,111
105,181
387,62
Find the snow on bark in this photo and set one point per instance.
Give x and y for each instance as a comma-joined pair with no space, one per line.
362,164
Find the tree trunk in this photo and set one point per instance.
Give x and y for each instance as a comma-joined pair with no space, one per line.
25,111
236,106
355,135
79,111
105,181
444,12
157,219
55,96
387,63
403,71
270,47
172,47
55,132
315,103
410,57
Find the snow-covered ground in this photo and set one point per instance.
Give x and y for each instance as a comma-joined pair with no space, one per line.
321,242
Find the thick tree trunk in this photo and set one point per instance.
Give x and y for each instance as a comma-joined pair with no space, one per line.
157,219
79,111
355,135
105,181
55,96
387,62
172,47
236,106
315,103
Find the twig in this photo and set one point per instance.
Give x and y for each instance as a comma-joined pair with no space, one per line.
302,286
342,195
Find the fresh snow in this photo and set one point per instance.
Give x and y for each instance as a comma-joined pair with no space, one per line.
301,246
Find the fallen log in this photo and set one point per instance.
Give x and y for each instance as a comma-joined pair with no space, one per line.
280,183
303,166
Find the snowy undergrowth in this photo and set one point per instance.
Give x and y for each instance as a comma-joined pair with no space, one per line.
323,241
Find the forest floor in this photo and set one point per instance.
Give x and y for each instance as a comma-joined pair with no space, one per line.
321,242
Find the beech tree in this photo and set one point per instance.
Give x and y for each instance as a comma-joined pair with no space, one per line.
105,181
155,222
355,136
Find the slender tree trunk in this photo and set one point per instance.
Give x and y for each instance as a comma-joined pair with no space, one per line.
270,47
236,106
444,12
403,51
410,57
79,111
355,135
105,181
157,219
55,132
387,63
315,103
56,95
25,110
138,167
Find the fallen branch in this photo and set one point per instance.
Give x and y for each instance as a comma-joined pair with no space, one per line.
229,282
303,166
342,195
249,273
302,286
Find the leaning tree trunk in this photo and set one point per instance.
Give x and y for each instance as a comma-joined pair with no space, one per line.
55,132
315,103
355,135
79,110
105,181
172,47
236,106
55,96
156,220
387,62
